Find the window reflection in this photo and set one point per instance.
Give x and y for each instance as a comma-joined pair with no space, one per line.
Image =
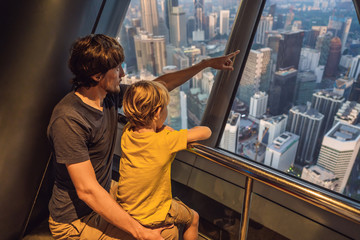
297,107
161,36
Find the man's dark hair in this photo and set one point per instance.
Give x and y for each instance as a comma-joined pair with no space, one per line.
93,54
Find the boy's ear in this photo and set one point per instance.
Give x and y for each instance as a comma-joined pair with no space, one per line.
157,114
97,77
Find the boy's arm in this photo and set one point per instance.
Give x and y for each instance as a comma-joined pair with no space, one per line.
198,133
175,79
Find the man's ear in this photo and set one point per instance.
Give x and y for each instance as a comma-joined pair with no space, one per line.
97,77
157,114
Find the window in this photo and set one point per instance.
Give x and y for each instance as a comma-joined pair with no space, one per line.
161,36
297,106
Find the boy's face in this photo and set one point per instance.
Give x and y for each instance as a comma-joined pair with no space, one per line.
162,118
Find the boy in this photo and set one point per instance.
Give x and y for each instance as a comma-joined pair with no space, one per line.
148,149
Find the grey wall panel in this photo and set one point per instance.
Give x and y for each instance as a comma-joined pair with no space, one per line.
35,40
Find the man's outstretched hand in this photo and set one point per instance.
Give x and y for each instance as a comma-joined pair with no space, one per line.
224,62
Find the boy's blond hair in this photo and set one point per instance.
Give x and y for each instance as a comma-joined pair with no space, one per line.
142,100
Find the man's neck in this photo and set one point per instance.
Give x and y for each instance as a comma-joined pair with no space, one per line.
91,96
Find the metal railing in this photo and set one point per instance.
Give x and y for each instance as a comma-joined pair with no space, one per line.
302,190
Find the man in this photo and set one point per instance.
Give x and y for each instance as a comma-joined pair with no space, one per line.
82,133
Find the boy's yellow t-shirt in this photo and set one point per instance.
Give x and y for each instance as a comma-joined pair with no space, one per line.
144,189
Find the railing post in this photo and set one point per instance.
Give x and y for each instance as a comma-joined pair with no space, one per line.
246,209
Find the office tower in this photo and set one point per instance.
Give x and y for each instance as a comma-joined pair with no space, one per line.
327,103
265,25
273,41
272,9
282,91
319,176
207,82
340,27
289,50
270,128
196,103
199,14
280,154
323,44
183,107
339,150
305,86
258,104
190,28
355,68
280,22
250,79
224,22
343,87
309,59
150,53
345,61
266,57
348,113
289,18
333,57
229,140
319,72
169,4
306,123
212,25
127,42
149,16
315,32
177,27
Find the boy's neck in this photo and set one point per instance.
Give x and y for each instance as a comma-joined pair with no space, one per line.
150,128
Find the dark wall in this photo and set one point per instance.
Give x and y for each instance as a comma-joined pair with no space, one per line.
34,46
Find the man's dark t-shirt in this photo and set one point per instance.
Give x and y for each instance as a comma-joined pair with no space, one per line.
77,133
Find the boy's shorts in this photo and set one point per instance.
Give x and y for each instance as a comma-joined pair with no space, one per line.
179,214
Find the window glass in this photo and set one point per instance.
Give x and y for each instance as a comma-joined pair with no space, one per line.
297,105
161,36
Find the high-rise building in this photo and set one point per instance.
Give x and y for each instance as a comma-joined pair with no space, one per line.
333,57
199,14
355,68
265,25
270,128
224,22
289,50
319,176
149,16
127,42
280,154
289,18
178,27
345,61
150,53
327,103
343,87
190,28
258,104
212,25
305,86
340,27
229,140
282,91
309,59
250,79
323,44
349,113
169,4
338,152
305,122
315,32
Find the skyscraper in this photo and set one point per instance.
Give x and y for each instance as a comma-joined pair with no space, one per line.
150,53
309,59
224,22
265,25
258,104
282,91
280,154
289,50
199,14
319,176
305,86
229,140
355,68
169,4
149,16
270,128
212,25
340,27
339,150
178,27
305,122
333,57
327,103
348,113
